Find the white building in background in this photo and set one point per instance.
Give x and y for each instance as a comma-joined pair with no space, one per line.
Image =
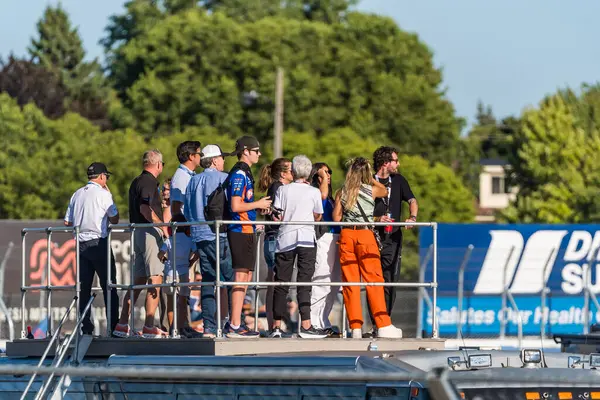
494,193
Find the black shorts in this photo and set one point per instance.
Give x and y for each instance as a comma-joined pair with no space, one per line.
243,250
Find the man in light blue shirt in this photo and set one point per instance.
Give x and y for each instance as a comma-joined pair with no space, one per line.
196,196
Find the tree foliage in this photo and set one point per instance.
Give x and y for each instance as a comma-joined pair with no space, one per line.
27,83
556,166
198,69
58,48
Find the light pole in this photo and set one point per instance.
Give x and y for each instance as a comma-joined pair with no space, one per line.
249,98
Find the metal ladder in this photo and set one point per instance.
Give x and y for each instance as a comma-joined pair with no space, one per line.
79,350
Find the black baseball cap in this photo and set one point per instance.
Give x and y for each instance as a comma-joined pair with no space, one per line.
246,142
97,168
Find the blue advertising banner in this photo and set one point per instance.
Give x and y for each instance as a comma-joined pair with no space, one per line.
524,258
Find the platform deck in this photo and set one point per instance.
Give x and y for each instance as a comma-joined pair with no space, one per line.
104,347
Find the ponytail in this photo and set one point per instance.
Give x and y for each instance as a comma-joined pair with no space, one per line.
272,173
265,180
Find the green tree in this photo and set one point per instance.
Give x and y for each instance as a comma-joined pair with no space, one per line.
59,49
442,197
555,167
27,83
199,69
487,139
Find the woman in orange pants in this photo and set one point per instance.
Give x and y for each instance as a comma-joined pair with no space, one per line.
359,254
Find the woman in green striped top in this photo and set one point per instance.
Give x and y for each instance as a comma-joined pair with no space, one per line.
359,253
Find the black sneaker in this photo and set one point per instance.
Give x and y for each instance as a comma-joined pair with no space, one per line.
331,332
312,333
276,333
370,335
190,333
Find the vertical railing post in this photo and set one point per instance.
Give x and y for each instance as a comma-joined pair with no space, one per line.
422,291
461,289
218,277
23,282
49,282
505,285
131,279
543,297
586,300
435,281
256,279
108,282
77,290
173,258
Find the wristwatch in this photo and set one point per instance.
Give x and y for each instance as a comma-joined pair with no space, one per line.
413,217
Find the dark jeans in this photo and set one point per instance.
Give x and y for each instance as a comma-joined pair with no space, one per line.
391,257
207,249
92,260
284,267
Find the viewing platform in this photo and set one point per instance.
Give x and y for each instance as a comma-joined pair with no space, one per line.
105,347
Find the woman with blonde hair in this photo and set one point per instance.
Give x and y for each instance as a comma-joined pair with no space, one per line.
359,251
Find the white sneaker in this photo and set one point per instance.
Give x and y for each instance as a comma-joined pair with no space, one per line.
389,332
357,333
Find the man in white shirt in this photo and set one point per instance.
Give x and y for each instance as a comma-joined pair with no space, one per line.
90,208
298,201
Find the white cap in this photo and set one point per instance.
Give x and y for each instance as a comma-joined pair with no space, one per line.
212,150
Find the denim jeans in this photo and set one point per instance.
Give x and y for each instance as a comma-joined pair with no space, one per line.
269,250
208,264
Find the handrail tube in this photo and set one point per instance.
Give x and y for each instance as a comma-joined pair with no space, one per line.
57,288
461,288
47,350
516,377
23,281
422,292
75,333
63,229
218,282
505,285
519,318
291,283
108,281
49,282
543,296
131,279
9,320
257,279
231,222
434,332
172,256
77,283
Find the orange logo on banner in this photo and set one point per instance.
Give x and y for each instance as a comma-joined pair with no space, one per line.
63,272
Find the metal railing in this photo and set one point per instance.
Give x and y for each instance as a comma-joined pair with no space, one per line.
3,308
47,275
219,283
55,336
509,298
461,288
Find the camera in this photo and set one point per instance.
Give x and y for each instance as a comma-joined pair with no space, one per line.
276,212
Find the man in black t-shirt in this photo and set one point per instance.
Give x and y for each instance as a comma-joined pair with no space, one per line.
388,209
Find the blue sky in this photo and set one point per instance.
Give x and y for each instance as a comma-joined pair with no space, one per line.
508,53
